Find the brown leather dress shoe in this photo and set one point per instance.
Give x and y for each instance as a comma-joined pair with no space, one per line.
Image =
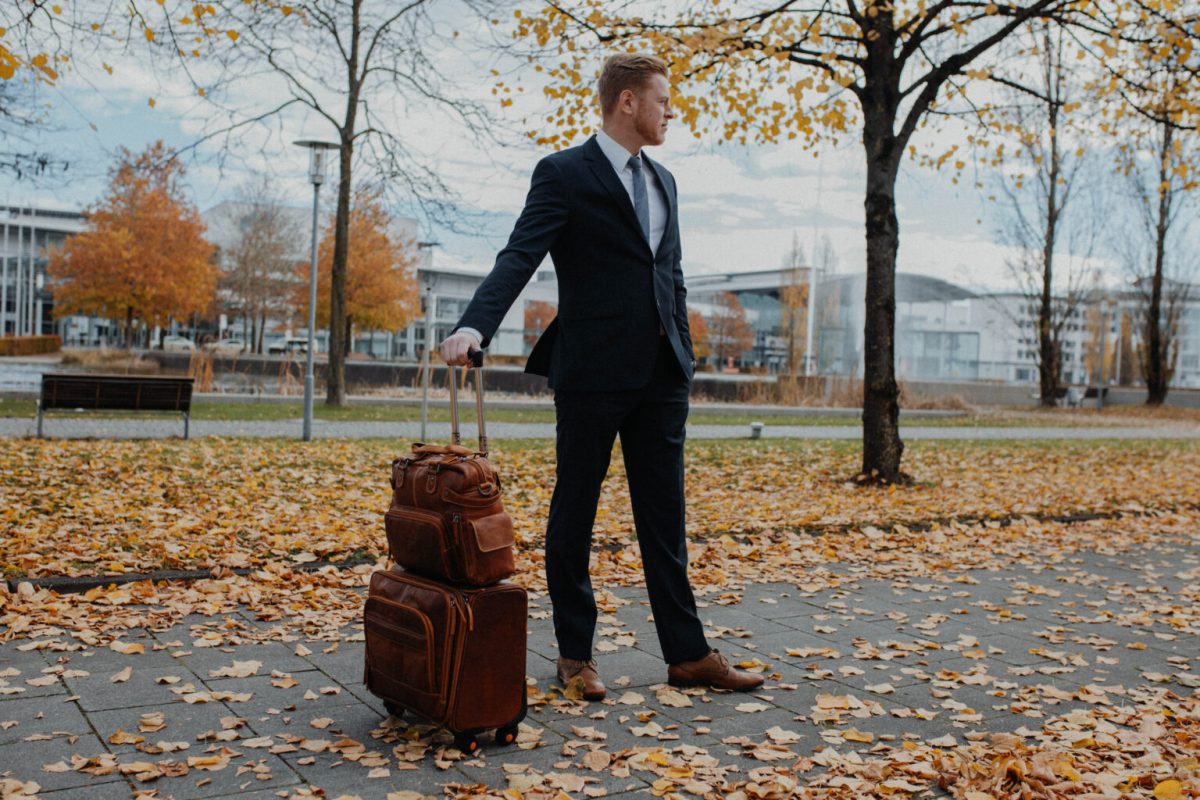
713,671
593,687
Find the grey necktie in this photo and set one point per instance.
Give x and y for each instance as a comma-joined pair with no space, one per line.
641,204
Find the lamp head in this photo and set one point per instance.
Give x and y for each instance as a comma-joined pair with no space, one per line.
317,158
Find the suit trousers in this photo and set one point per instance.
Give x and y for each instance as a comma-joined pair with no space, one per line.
651,423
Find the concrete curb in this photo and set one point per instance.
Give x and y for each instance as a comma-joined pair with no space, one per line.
75,584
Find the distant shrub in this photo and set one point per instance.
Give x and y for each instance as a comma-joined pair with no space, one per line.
29,345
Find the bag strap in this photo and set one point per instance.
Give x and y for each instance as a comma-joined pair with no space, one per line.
476,357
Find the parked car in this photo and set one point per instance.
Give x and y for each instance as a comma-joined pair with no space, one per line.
225,346
178,343
292,344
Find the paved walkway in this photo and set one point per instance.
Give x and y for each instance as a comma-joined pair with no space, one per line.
923,659
158,427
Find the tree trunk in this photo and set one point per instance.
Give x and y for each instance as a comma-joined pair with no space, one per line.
1049,348
128,327
335,385
882,448
349,335
335,378
1157,366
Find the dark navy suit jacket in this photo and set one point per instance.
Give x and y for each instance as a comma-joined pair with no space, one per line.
613,291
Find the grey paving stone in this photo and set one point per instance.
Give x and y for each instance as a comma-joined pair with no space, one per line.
356,721
490,771
273,655
642,668
227,782
350,778
291,701
259,794
35,716
736,617
97,691
31,666
26,760
842,633
109,790
344,665
185,722
620,734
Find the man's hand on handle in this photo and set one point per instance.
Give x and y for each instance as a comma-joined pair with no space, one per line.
456,346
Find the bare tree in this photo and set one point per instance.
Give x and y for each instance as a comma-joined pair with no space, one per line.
357,66
1052,241
22,126
794,287
729,332
1157,256
798,301
259,268
1161,155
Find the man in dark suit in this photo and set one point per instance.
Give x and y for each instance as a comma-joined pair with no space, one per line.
619,359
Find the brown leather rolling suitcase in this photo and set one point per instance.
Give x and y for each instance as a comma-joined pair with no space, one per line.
453,655
446,520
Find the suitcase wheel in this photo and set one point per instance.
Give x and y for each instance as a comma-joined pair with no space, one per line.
466,742
393,709
506,735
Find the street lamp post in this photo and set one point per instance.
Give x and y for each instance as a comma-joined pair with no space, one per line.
316,175
426,357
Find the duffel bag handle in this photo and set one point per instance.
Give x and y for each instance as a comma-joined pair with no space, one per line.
476,357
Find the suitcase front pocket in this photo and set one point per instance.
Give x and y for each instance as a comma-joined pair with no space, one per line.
399,647
417,541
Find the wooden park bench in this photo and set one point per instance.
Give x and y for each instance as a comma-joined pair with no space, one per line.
115,392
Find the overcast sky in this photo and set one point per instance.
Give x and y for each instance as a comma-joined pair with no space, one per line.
740,206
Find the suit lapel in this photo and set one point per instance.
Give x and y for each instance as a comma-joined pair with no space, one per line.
603,170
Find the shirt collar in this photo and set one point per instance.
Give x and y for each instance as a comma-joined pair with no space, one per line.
614,151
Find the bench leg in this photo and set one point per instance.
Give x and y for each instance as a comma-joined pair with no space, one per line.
39,419
186,420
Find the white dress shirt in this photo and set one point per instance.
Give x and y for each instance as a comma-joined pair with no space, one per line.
619,157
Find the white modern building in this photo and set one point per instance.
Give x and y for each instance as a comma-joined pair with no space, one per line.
947,333
27,235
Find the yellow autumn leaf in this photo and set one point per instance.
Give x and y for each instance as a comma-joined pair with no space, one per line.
1168,790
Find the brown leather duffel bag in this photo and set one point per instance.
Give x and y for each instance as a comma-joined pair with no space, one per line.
446,520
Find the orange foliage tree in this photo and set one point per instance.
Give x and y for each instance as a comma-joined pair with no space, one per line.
701,348
144,257
381,272
538,315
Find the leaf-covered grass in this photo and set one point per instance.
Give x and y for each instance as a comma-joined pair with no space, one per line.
81,507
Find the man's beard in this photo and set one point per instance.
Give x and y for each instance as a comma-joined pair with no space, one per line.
650,132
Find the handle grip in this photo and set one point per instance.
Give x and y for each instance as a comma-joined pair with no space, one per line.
476,357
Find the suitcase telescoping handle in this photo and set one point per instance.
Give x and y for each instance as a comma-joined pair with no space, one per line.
476,357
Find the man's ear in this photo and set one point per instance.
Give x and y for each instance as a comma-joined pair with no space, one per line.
625,99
